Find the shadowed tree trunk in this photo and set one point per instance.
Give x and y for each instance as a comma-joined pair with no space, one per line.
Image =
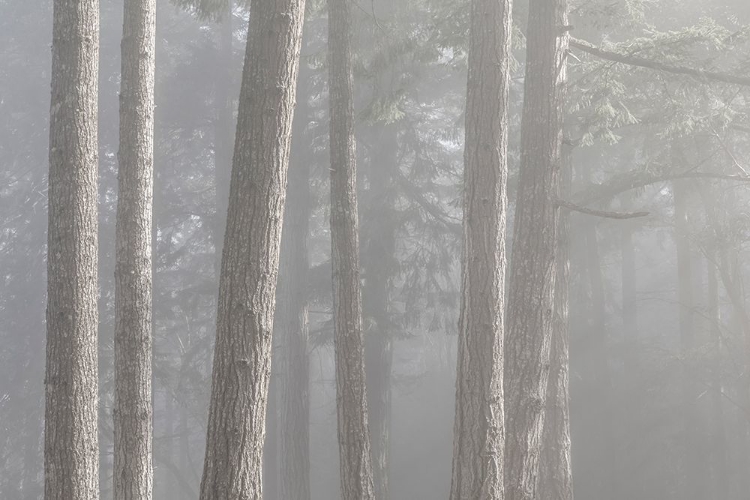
133,411
292,313
71,445
556,473
351,398
250,258
533,269
478,432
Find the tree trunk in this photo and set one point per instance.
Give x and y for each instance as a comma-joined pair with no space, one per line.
292,313
532,270
71,444
133,411
353,432
250,258
479,433
556,476
378,255
692,471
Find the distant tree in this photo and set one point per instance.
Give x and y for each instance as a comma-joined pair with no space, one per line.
250,260
535,231
479,434
351,399
71,446
133,409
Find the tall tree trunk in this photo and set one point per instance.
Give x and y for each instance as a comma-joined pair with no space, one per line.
71,444
691,432
353,432
378,255
556,476
250,258
271,476
133,411
479,427
292,313
532,269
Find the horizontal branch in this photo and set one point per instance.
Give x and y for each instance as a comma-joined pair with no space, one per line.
658,66
601,213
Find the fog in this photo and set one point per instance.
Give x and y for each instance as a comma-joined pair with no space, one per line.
659,226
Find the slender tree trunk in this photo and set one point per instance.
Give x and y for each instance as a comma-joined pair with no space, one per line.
353,432
479,427
378,253
250,258
556,476
693,469
292,312
533,269
71,444
133,411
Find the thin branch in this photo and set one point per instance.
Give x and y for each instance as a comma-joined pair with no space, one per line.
658,66
601,213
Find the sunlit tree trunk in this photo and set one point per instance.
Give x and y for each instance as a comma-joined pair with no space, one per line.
532,267
556,474
71,444
250,259
351,399
133,411
479,433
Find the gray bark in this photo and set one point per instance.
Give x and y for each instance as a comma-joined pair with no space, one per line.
378,255
533,269
556,474
71,446
250,258
292,315
353,432
478,440
133,411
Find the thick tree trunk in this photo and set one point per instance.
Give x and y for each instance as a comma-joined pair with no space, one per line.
378,255
353,432
250,259
133,411
71,444
533,269
292,313
479,433
556,476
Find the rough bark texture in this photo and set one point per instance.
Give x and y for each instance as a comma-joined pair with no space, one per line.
478,439
532,270
378,255
133,411
292,315
353,432
71,446
250,258
556,475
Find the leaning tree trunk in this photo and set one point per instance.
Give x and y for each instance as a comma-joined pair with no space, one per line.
556,476
353,433
532,270
250,259
478,438
133,411
292,313
71,445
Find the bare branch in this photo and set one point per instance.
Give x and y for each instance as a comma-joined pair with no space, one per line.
601,213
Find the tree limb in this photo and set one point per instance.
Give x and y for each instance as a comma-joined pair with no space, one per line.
658,66
601,213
